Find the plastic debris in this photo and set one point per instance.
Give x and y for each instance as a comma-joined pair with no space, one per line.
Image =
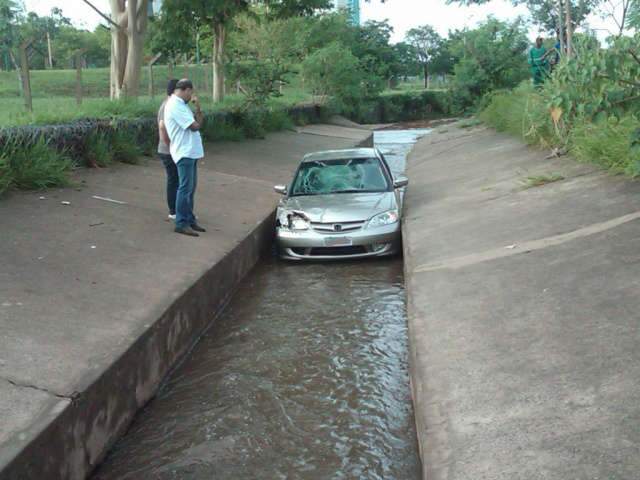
107,199
510,247
64,202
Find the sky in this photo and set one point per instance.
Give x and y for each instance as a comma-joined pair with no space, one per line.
402,14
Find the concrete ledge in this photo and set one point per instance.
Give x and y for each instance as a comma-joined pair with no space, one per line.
83,428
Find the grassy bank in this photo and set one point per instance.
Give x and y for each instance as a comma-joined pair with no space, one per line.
34,158
610,141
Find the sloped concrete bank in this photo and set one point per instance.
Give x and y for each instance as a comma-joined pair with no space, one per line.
522,279
100,299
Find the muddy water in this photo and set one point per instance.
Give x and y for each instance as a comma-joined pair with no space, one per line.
304,376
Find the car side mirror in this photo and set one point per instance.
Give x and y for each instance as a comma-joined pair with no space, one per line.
281,189
400,181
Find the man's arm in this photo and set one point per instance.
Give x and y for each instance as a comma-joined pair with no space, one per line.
197,125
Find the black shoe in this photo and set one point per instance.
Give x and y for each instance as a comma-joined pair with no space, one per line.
186,231
197,228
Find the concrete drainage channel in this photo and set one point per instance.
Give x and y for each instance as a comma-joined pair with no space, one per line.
302,375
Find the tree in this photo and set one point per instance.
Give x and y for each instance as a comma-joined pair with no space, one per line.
634,15
11,15
129,19
128,22
406,60
426,42
264,53
373,49
490,57
559,16
218,15
334,72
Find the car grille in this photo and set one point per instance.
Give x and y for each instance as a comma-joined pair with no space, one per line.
330,251
338,227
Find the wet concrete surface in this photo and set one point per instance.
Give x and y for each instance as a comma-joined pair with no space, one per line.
304,375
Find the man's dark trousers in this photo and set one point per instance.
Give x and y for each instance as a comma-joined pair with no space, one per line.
172,181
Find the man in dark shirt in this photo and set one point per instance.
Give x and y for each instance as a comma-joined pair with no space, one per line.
165,155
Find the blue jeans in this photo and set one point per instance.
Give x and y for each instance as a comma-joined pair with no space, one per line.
172,180
188,181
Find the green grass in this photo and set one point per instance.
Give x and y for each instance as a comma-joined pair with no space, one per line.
95,81
54,100
33,168
98,151
607,144
540,180
524,113
470,123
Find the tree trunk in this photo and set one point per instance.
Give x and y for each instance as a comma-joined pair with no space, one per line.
127,40
569,25
26,81
49,51
426,76
561,27
219,34
18,71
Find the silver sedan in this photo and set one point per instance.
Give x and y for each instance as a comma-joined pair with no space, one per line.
341,204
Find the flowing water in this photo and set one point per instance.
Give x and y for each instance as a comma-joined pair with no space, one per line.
303,376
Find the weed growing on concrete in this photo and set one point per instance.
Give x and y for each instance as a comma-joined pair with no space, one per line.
470,123
540,180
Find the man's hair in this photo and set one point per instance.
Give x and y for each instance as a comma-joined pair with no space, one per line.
171,86
184,84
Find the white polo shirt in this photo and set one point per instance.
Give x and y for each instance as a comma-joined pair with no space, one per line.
185,143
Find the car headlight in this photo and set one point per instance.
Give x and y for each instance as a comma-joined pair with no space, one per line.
385,218
292,220
298,223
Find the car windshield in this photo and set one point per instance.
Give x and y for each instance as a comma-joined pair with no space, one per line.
340,176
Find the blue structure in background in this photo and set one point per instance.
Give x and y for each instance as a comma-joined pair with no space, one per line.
353,7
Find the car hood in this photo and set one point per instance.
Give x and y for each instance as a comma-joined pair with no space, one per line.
342,207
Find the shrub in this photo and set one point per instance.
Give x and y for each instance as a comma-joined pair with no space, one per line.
125,148
276,120
6,175
607,143
37,166
98,150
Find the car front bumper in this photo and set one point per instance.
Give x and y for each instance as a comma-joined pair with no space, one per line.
313,245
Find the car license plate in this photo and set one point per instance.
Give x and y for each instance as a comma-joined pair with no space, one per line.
338,242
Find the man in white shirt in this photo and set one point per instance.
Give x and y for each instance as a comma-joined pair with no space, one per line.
186,149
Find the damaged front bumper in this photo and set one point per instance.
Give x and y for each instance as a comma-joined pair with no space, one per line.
363,243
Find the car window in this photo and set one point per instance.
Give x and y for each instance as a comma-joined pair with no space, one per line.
340,176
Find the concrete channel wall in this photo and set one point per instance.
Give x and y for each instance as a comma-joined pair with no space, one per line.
522,311
59,422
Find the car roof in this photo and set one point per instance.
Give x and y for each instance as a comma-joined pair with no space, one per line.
340,154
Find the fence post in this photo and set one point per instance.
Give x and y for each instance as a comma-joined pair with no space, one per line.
151,62
78,58
206,77
24,71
